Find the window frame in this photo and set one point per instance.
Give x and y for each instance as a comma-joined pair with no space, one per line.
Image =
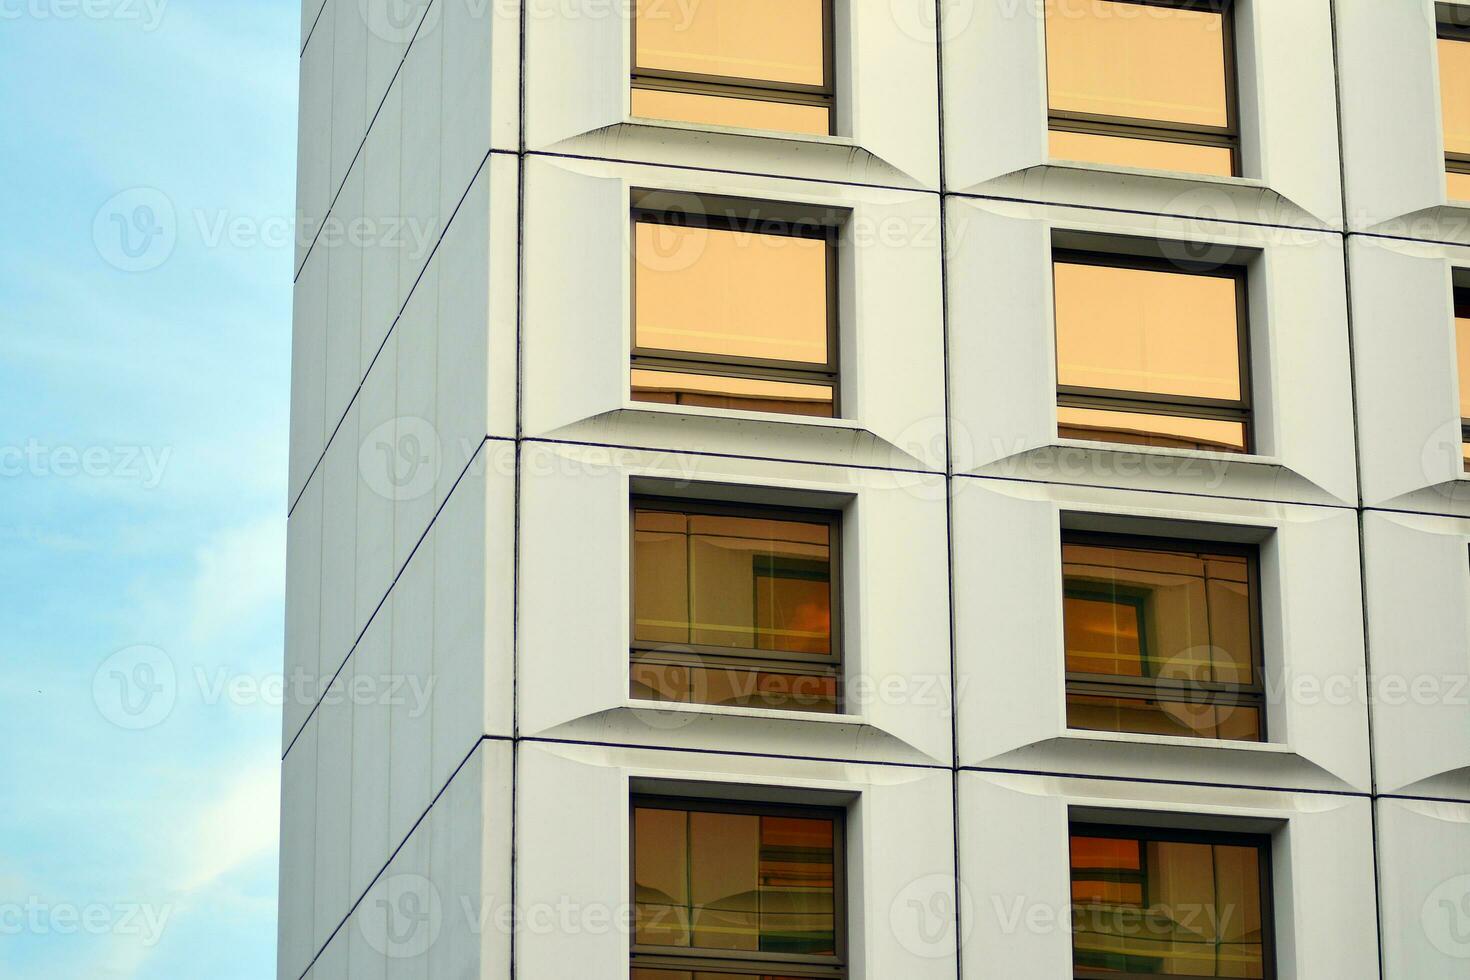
740,87
744,962
741,658
1177,406
1458,163
1187,692
1265,875
1135,127
732,366
1460,295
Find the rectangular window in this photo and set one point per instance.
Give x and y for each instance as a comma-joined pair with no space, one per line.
1151,352
1159,903
752,64
735,606
1454,89
1143,83
735,313
1462,344
1162,637
724,890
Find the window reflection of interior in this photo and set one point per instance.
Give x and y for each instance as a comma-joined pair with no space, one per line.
733,608
749,64
1161,640
733,314
1454,88
1152,354
1143,83
1161,904
756,890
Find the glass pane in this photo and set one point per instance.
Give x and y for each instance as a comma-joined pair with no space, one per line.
724,858
1164,907
1454,89
732,394
737,582
1142,154
1139,429
735,687
730,293
1462,344
1147,331
661,877
1139,613
1459,186
797,886
1147,716
1138,61
642,974
780,41
720,110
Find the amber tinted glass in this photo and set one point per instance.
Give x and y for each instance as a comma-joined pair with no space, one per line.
1147,331
1161,716
773,41
701,975
1140,61
1144,154
741,882
734,687
1167,908
1454,88
734,394
731,293
1462,344
732,582
722,110
1141,429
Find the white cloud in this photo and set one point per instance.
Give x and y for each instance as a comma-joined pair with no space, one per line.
240,572
238,827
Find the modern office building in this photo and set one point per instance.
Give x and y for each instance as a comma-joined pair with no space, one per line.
878,489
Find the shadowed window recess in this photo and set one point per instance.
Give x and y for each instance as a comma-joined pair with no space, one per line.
735,313
1157,903
730,890
1162,637
1143,83
1151,352
1454,93
750,64
1462,353
735,606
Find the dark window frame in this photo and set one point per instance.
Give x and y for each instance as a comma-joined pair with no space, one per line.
745,961
1265,875
1189,692
746,368
753,89
1179,406
1460,299
1454,162
742,658
1134,127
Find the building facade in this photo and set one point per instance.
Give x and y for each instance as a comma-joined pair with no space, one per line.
879,488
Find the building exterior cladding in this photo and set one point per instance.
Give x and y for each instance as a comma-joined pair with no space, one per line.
461,750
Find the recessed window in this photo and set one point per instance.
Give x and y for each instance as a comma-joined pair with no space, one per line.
723,891
1454,89
1462,344
1143,83
735,313
1158,903
1162,637
752,64
1151,353
735,606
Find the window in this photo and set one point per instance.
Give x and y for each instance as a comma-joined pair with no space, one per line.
735,606
1151,352
724,890
754,64
1462,345
1454,89
735,313
1158,903
1162,637
1143,83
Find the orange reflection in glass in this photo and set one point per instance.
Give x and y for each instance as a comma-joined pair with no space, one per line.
1459,185
735,394
779,41
1155,716
1462,345
1454,90
1138,61
1162,431
1147,330
1142,154
730,293
720,110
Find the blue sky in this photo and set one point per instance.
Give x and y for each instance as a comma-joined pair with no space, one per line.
143,423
